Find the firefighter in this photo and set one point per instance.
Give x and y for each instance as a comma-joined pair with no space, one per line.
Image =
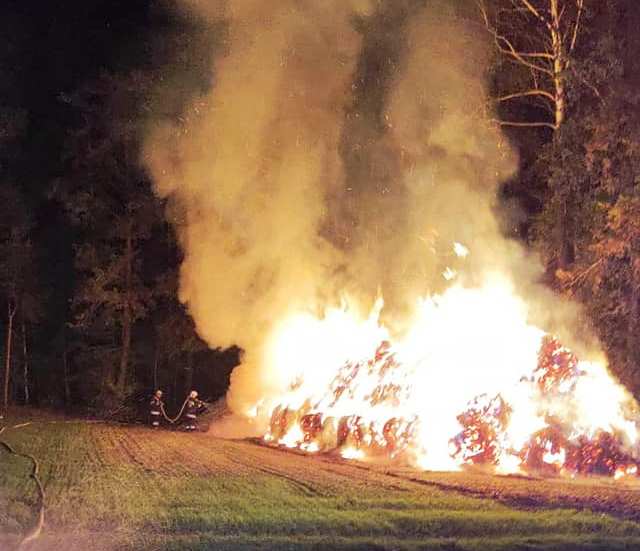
191,411
155,409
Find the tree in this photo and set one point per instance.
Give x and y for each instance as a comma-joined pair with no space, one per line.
551,50
540,38
606,275
110,201
591,169
17,279
18,289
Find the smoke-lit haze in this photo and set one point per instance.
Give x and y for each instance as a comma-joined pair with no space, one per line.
342,150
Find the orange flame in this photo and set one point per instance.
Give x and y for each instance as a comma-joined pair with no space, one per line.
471,382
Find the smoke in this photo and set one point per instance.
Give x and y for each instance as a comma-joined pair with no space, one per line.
248,170
343,148
448,162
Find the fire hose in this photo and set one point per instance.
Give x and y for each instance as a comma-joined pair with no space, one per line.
35,532
169,419
174,419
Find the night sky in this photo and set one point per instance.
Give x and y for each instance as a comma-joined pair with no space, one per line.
54,47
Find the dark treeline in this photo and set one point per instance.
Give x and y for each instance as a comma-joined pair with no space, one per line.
89,265
89,272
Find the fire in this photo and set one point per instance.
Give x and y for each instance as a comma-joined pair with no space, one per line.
471,383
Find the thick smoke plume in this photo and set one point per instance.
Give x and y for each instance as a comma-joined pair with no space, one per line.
249,171
343,148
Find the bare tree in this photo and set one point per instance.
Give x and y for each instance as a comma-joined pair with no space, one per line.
16,267
540,36
11,312
25,363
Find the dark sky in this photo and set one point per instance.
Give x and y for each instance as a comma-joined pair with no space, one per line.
52,48
62,43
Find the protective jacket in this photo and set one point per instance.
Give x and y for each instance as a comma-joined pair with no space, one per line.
193,406
192,409
155,411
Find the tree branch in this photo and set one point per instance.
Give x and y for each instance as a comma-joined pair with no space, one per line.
583,274
562,10
510,50
545,55
532,92
576,27
525,124
518,56
534,11
588,84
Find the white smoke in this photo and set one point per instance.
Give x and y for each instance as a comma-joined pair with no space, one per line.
256,175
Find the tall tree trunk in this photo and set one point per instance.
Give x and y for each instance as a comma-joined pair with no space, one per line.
633,347
566,245
189,372
176,400
566,236
126,315
25,359
65,374
559,64
155,367
11,312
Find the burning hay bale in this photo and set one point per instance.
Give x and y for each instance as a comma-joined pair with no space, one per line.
561,445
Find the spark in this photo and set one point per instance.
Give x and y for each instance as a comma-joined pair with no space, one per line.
449,274
460,250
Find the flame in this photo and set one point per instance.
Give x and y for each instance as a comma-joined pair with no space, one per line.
627,470
352,453
471,382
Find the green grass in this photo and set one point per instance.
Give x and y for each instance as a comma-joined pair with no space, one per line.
217,498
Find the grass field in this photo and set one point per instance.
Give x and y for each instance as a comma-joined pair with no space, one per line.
111,487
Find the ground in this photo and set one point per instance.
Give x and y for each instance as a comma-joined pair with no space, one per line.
111,487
